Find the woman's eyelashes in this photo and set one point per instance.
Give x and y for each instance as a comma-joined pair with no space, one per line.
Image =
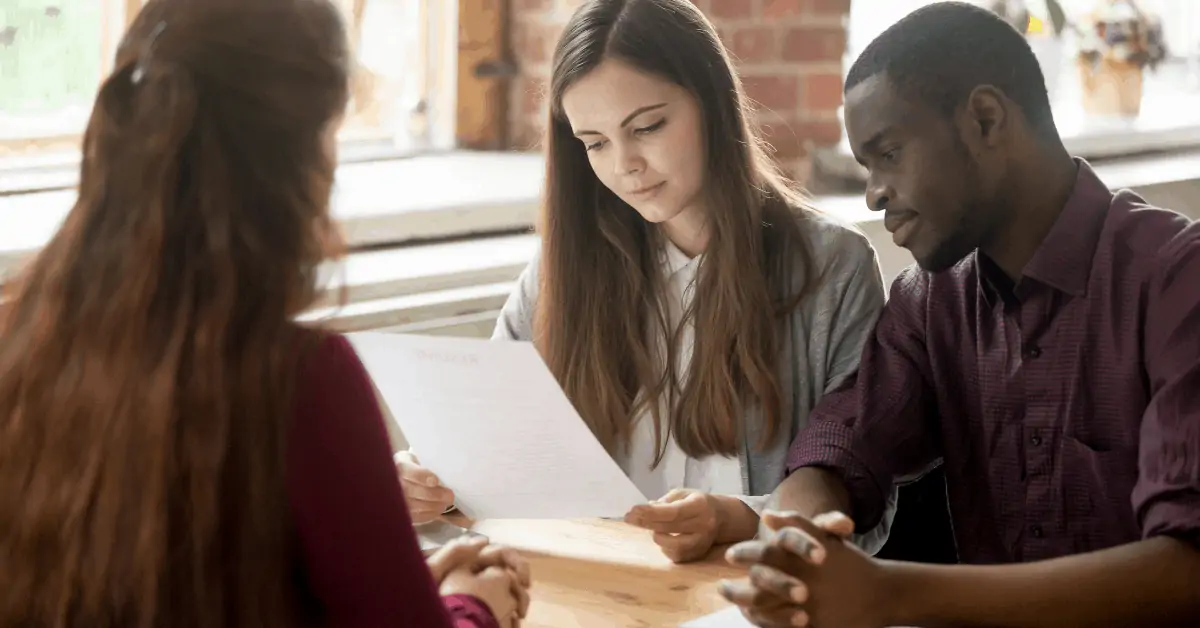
640,131
646,130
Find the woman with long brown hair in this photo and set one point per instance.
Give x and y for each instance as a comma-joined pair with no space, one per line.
688,299
174,450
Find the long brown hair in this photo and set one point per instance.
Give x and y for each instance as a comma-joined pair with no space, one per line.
147,356
600,302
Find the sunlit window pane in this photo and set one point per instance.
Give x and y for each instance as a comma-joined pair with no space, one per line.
49,66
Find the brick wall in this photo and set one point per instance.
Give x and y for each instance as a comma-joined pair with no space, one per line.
789,54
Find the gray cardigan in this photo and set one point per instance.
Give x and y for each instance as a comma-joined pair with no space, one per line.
821,345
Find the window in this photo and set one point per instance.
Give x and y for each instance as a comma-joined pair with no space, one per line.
402,89
54,53
50,64
1170,107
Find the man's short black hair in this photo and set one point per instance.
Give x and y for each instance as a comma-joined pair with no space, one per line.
939,53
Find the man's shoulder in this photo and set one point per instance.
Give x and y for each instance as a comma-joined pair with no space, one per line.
1139,233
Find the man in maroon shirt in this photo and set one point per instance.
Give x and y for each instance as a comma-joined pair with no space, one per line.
1046,352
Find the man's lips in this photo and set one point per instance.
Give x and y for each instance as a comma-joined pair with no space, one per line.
893,220
901,225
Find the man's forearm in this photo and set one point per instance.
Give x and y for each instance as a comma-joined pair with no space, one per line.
1146,584
810,491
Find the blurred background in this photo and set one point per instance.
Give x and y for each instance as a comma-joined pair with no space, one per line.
440,175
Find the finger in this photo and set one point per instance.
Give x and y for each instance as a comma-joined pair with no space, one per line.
747,595
801,544
760,607
453,555
423,515
521,592
778,584
776,519
425,509
674,495
438,495
645,514
835,523
500,574
405,457
682,547
665,512
416,474
777,617
501,556
693,525
748,553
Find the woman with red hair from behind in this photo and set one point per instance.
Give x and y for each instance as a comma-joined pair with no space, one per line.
174,449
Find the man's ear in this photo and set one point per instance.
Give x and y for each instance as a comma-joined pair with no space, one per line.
987,114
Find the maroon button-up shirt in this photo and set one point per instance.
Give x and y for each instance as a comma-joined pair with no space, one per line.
1065,407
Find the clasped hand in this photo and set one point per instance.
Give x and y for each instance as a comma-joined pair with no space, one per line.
807,573
496,575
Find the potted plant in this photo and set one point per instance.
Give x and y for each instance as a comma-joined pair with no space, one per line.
1119,43
1043,23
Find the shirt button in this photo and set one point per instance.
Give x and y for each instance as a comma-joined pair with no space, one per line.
1037,531
1036,440
1033,352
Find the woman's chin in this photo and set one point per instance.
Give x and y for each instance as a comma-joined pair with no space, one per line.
655,214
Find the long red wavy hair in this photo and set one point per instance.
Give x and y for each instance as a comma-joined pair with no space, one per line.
148,354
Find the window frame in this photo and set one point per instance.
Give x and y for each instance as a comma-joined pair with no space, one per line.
385,198
1106,143
51,162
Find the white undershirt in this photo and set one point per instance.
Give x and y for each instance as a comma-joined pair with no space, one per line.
713,474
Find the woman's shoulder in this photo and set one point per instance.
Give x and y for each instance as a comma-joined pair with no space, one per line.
835,246
328,362
830,235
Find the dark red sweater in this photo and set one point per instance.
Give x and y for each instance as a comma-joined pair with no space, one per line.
360,554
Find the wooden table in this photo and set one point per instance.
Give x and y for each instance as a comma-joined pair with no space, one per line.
608,574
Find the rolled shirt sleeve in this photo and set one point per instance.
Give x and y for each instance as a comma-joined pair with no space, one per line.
1166,497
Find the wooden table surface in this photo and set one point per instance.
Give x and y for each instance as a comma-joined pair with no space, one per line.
607,574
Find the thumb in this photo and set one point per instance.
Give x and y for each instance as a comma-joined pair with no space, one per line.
776,520
453,555
502,577
674,495
836,523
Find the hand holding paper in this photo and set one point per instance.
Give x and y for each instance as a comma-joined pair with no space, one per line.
491,421
423,491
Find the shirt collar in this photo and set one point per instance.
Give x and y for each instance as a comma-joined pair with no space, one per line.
672,259
1063,261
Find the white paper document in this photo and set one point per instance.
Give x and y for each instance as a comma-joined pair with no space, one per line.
491,421
729,618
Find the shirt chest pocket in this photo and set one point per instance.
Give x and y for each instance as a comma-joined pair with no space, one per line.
1097,486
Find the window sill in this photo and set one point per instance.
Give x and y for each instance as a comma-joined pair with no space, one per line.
381,203
397,282
1099,141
